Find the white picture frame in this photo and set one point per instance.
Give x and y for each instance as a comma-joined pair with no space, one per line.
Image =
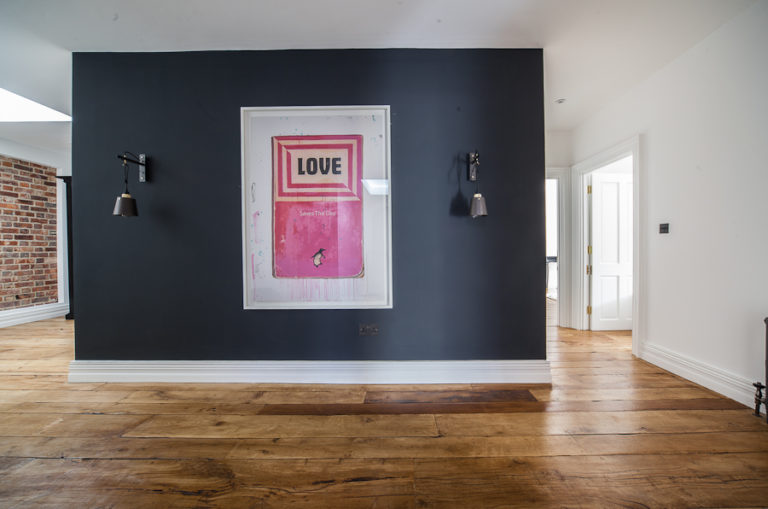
267,283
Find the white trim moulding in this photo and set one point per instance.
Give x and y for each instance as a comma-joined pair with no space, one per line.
315,372
722,382
32,314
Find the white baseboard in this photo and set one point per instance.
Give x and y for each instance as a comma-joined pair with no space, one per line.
728,384
32,314
316,372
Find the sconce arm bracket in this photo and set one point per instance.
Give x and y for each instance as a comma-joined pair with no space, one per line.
474,166
140,159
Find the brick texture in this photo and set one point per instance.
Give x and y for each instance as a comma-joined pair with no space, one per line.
28,238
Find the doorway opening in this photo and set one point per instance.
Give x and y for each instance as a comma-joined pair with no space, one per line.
35,274
552,248
557,276
607,279
609,246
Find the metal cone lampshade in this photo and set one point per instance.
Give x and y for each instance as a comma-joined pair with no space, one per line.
125,206
478,208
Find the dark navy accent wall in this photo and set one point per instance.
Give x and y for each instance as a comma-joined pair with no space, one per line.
168,284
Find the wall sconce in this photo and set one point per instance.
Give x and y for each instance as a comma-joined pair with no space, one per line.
125,205
477,208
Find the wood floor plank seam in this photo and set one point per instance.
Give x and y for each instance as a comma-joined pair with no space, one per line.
130,428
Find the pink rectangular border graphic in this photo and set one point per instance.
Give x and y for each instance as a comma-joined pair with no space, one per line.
280,147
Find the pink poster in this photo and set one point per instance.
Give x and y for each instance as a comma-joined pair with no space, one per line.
318,206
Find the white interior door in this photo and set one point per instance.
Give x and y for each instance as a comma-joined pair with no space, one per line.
611,281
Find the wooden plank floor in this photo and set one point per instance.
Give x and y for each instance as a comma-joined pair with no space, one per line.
611,431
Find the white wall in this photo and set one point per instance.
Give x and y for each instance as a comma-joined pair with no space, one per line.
557,149
39,70
703,121
35,68
59,160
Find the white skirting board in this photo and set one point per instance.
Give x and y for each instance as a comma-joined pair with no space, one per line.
315,372
32,314
728,384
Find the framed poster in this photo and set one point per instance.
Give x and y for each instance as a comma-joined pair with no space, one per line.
316,207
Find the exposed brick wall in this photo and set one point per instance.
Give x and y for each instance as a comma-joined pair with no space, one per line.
28,238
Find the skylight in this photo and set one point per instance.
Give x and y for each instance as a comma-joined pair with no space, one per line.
14,108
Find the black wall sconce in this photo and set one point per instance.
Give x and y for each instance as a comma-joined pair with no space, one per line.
477,208
125,205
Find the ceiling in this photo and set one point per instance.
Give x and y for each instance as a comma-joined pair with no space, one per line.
594,50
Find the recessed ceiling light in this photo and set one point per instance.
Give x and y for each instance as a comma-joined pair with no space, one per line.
14,108
560,101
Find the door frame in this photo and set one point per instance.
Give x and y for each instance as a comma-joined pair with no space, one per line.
563,177
579,279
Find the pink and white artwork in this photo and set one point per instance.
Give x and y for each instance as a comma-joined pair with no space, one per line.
316,208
